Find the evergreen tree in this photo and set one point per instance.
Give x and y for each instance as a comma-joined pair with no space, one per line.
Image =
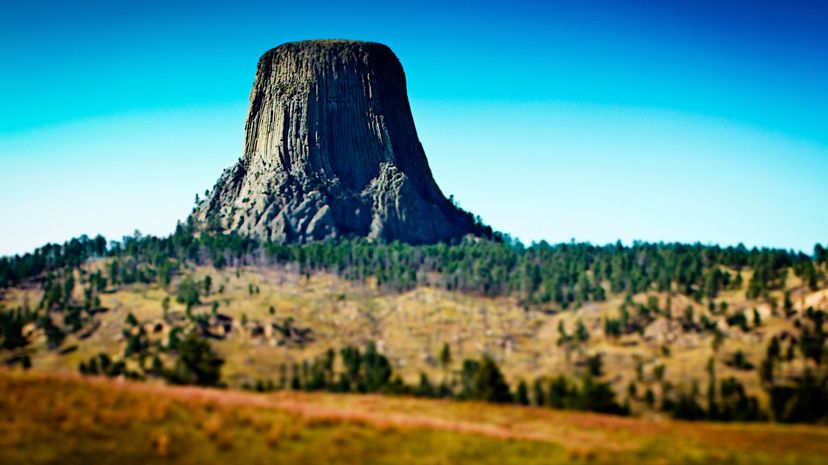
188,293
487,383
445,356
539,396
522,393
196,363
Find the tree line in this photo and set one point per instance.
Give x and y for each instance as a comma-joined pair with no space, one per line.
566,274
369,371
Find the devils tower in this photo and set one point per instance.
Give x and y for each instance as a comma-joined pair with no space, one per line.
331,150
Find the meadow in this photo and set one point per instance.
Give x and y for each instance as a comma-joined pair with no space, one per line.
65,418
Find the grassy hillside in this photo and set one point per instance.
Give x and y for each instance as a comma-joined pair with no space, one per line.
669,352
62,418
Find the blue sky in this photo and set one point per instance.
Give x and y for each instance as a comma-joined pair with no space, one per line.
662,121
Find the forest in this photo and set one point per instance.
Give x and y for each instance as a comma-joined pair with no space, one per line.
566,274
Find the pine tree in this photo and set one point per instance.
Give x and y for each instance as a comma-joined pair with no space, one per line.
445,356
522,393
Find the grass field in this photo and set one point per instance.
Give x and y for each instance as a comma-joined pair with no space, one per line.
63,418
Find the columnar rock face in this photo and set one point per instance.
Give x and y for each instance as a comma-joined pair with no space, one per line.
331,151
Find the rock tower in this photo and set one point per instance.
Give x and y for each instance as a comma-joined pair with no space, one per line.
331,150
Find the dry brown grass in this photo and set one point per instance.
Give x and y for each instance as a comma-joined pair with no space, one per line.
160,441
410,328
65,410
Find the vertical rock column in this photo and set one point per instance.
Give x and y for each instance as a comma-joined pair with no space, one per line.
331,150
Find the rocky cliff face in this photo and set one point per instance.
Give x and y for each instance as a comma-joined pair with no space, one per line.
330,151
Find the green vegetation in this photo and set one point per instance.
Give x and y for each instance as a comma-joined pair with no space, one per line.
188,293
806,400
565,274
369,371
642,280
197,363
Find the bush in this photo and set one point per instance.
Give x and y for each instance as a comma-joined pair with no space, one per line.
197,363
598,397
484,381
11,329
807,402
188,293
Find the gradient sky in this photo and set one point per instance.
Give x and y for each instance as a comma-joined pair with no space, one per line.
662,121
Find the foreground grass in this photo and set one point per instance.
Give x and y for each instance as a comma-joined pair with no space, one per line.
62,418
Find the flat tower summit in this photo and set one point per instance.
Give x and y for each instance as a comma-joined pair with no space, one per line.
330,151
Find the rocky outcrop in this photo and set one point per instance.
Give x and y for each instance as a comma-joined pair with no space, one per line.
331,151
